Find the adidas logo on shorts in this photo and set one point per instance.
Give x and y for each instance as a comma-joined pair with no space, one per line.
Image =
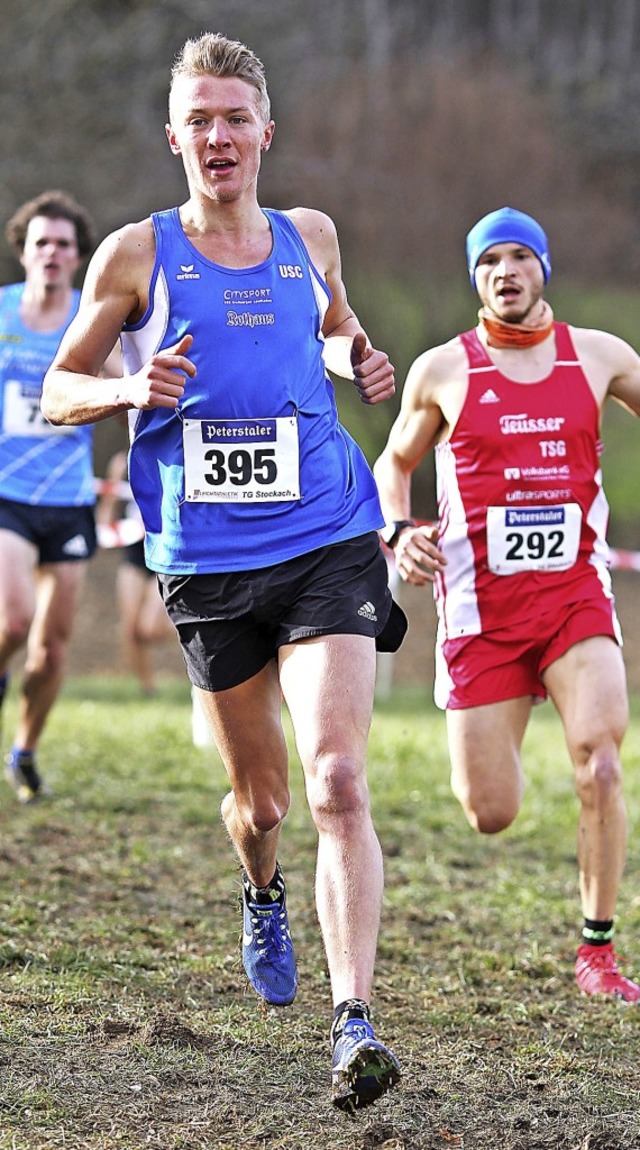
76,546
368,611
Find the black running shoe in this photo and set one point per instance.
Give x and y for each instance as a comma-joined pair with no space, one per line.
21,773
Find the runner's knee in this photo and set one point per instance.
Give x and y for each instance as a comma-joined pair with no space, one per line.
337,787
599,779
16,631
488,811
260,813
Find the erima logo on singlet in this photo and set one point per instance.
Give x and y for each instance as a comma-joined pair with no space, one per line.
187,273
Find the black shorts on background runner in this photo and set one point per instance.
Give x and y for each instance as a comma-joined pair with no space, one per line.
61,534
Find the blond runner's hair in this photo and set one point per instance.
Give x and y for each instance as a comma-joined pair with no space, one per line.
212,54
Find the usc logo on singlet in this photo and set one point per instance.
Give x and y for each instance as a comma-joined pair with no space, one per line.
290,271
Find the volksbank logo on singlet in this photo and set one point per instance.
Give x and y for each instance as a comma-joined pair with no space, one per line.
523,425
540,473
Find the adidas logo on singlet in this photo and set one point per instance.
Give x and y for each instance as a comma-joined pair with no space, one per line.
489,397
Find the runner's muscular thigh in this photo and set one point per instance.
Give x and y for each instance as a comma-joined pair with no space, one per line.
18,559
588,687
328,684
484,748
247,727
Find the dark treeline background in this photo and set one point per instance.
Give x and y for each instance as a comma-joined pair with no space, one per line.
406,120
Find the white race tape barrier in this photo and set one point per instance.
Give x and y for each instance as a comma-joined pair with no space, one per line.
625,560
121,532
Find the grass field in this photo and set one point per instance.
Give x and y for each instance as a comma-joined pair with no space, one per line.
125,1018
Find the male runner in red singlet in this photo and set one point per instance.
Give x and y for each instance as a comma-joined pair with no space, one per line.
519,558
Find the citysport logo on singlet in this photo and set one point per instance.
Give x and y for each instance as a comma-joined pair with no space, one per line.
238,301
523,425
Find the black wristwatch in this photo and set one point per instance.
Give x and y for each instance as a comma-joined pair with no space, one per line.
391,531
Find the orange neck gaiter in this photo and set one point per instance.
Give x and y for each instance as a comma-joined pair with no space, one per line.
505,335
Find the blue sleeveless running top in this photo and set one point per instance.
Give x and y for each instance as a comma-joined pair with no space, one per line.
253,468
40,464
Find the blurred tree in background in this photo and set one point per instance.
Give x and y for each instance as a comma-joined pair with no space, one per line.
406,120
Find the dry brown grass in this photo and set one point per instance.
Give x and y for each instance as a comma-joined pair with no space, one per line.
125,1019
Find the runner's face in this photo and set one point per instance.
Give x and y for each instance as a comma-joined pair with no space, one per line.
218,130
509,281
50,257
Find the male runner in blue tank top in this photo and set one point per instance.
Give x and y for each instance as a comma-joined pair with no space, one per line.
261,513
47,529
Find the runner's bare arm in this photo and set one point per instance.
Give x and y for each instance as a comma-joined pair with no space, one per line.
115,290
625,383
348,351
611,365
418,427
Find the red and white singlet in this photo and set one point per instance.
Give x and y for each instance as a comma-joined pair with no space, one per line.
522,512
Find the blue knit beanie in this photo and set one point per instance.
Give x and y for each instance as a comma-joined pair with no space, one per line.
507,226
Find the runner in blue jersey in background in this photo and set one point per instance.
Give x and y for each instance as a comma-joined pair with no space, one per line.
46,473
261,513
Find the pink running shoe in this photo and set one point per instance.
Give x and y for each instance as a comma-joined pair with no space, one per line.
597,973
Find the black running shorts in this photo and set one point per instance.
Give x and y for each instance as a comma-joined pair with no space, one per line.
61,534
231,624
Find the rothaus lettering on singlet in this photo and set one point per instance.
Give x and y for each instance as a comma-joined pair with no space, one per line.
245,319
523,425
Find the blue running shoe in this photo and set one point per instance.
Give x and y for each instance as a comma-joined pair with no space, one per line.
267,951
21,773
363,1069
